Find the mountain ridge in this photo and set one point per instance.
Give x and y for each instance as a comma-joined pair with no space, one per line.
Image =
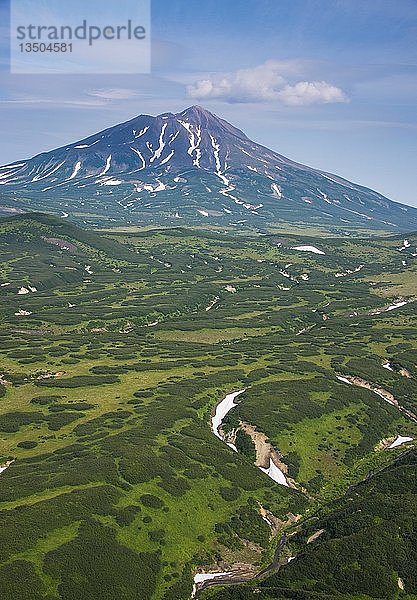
191,165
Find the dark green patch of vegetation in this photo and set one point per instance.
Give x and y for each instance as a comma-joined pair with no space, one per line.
126,408
151,501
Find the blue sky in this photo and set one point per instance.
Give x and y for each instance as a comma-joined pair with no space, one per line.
330,83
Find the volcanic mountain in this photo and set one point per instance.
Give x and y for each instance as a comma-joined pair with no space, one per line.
190,167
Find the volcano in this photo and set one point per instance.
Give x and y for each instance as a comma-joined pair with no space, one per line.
188,168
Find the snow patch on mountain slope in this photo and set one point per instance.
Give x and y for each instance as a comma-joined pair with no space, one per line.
87,145
173,137
141,132
111,182
276,191
168,158
216,150
107,167
76,170
140,156
44,176
160,149
195,140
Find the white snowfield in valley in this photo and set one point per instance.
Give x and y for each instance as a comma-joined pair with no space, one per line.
6,465
406,245
350,271
400,441
159,150
394,306
387,366
107,167
276,191
212,303
275,473
200,578
222,409
312,249
344,380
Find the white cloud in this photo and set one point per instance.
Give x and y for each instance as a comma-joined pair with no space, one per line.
266,83
304,93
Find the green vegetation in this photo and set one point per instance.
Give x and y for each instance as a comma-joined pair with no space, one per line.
108,379
367,548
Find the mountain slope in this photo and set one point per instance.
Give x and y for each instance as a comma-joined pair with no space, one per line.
192,166
365,548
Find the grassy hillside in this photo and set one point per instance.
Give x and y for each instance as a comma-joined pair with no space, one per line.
115,349
366,549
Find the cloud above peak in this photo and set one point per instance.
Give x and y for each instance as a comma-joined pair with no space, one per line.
272,81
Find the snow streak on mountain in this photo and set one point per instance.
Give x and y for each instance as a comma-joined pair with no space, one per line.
187,168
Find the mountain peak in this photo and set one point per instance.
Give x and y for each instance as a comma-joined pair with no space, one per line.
189,165
207,120
197,111
199,115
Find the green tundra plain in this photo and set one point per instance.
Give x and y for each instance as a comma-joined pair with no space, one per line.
116,347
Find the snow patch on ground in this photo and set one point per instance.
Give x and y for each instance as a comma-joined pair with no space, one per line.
216,151
168,158
387,366
87,145
195,140
224,407
275,473
111,182
344,380
400,441
6,465
49,173
350,271
212,303
394,306
141,132
406,245
140,156
312,249
200,578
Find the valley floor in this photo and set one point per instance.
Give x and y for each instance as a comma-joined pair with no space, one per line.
116,348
